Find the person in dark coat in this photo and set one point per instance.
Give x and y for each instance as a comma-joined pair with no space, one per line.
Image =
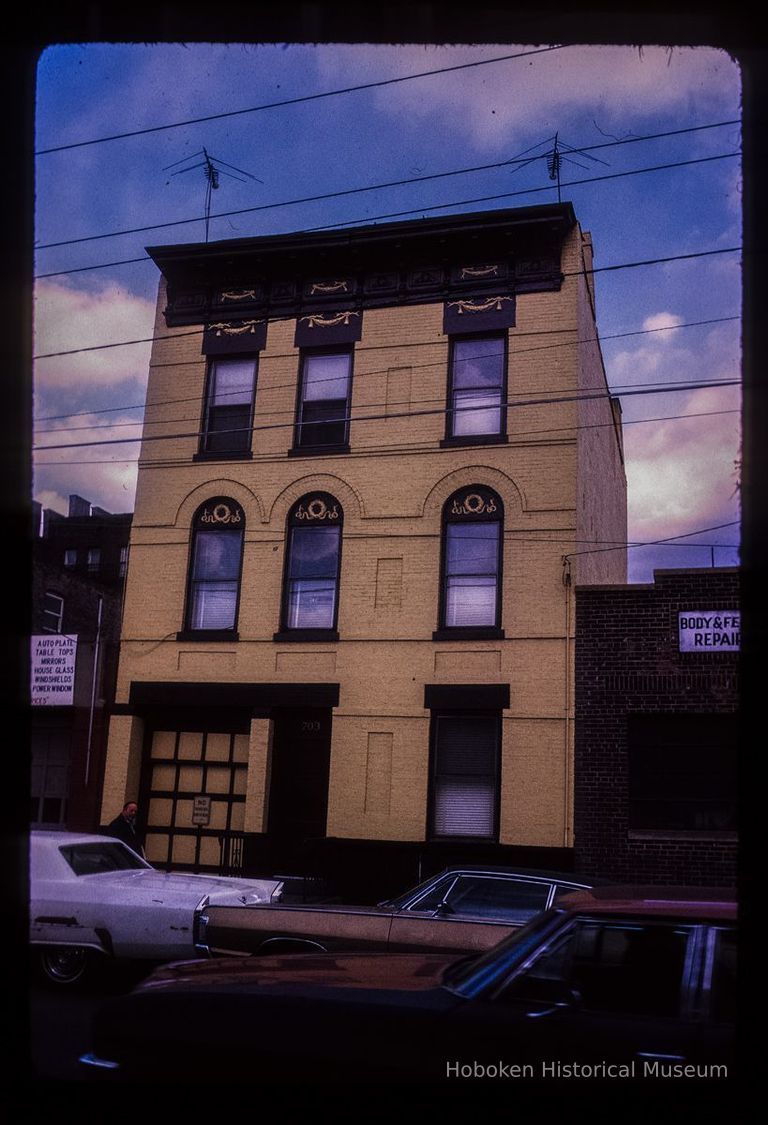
123,827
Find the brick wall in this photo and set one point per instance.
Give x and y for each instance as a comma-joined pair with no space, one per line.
627,662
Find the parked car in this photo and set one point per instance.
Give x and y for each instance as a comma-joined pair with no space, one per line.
462,908
92,898
639,979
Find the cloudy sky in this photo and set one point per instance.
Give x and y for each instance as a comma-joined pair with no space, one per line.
665,324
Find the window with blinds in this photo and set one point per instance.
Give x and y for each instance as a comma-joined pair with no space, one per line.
465,775
229,406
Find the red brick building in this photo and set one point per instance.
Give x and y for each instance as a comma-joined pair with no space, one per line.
656,713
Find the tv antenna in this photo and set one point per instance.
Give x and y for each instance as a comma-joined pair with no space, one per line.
556,157
212,169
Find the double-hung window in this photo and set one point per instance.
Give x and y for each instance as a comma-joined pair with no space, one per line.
310,599
477,406
53,612
472,555
465,773
323,410
229,406
215,566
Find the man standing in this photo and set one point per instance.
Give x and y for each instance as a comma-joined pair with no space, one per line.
123,827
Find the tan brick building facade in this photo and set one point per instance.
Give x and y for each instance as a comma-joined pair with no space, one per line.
390,440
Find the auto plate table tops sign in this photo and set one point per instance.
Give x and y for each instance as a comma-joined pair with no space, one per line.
53,659
709,630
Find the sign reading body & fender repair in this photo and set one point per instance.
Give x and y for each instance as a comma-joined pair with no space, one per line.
709,630
53,670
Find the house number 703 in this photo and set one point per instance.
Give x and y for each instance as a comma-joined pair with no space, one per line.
313,725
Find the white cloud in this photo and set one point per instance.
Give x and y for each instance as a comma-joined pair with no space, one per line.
105,474
68,318
494,103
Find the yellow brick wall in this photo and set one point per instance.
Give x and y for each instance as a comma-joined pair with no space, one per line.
392,487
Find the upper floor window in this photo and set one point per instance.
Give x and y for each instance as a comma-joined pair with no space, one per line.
70,557
215,566
311,594
123,561
477,395
323,411
94,560
229,406
53,612
471,561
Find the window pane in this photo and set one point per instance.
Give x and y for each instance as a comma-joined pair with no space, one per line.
464,806
311,603
213,605
478,363
314,552
477,412
465,775
472,548
232,382
498,898
326,376
323,422
470,601
217,555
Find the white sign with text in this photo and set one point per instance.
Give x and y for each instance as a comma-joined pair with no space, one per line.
709,630
53,670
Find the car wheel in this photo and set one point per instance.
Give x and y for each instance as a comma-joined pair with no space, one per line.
66,965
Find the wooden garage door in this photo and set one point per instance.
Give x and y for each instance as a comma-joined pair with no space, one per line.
182,766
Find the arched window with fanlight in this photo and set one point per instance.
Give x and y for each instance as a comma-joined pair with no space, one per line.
471,565
215,566
312,568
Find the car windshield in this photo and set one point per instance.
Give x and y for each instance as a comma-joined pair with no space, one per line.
95,859
475,971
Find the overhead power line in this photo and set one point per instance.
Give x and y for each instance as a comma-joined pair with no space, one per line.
411,447
390,416
376,187
277,319
380,371
351,223
298,101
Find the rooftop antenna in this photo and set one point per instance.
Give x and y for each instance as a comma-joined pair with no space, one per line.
556,158
213,168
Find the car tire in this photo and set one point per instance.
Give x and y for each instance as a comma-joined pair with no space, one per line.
65,966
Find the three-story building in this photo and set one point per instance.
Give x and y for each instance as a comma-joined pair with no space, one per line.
348,634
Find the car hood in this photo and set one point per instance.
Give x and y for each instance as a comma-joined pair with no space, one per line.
411,972
180,887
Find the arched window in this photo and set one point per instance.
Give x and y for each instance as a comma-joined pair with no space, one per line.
470,595
312,567
215,565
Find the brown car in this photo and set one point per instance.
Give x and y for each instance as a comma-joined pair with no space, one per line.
614,984
467,908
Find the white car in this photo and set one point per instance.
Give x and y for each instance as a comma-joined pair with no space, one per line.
92,897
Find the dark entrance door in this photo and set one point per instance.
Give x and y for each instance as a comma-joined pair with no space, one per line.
298,788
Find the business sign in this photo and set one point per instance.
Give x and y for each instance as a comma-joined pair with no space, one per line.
709,630
53,670
201,811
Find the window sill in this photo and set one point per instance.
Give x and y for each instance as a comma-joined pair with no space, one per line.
469,633
208,635
292,636
223,455
474,439
318,450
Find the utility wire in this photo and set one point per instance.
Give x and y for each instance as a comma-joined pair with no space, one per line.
352,223
398,414
375,187
412,448
661,542
384,370
280,319
297,101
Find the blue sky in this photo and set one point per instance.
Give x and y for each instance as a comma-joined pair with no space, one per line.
680,469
